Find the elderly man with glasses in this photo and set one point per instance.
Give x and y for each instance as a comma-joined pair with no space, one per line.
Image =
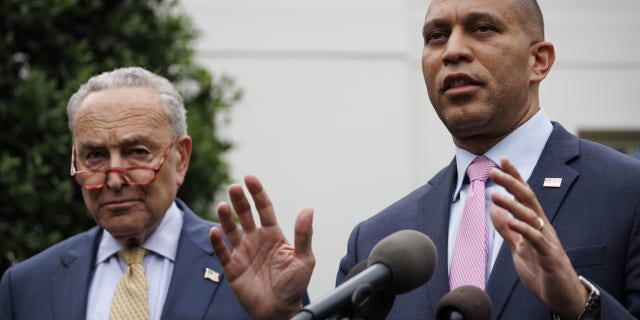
149,256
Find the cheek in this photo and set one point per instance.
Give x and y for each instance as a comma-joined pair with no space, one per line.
431,69
167,181
513,71
162,191
513,85
90,198
428,68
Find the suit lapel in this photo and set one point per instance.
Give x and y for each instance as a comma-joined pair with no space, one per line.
433,214
188,288
70,286
560,148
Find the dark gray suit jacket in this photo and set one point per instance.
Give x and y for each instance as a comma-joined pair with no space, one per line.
596,213
54,284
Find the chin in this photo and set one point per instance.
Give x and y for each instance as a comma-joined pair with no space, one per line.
120,225
130,242
129,236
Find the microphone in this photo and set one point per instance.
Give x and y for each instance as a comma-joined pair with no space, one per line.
397,264
465,303
367,306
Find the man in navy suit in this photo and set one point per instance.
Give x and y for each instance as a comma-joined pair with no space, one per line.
563,234
130,154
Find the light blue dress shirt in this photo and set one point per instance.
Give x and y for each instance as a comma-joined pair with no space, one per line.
524,156
162,247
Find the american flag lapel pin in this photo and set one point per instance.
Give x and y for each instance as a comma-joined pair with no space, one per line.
211,275
552,182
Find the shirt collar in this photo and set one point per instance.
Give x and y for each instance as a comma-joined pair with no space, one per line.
163,241
524,156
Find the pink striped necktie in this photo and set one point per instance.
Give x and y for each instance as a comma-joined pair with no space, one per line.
469,263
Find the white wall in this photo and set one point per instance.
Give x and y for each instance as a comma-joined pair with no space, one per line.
335,114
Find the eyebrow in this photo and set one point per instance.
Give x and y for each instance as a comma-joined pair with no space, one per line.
479,16
92,145
434,24
472,17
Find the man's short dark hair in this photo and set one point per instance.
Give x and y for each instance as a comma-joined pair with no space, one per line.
530,11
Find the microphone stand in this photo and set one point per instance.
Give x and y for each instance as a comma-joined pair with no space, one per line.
360,297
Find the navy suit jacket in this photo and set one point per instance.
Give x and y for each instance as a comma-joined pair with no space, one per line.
596,213
54,284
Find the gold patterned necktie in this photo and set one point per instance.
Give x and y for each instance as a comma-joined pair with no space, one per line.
130,298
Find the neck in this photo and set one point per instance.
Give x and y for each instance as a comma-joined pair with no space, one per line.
476,146
481,143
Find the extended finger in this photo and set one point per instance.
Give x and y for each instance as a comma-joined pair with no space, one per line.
500,218
303,233
510,169
229,226
541,224
519,210
242,207
512,230
511,181
219,247
262,202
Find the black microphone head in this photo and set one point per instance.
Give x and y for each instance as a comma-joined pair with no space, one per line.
472,302
359,267
377,307
410,255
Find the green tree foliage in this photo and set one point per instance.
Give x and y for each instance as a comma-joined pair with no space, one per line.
49,48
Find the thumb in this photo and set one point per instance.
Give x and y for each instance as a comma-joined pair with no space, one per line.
303,233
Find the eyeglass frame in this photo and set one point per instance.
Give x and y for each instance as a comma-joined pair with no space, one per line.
120,171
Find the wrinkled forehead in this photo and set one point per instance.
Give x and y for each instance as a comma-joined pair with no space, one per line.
522,16
441,9
116,113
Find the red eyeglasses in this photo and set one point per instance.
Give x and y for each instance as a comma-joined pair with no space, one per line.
133,176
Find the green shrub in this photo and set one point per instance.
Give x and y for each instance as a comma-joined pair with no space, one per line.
49,48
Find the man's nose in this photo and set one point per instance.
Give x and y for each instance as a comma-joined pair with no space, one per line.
457,48
115,178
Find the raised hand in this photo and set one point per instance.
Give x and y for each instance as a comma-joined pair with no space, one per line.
267,274
539,258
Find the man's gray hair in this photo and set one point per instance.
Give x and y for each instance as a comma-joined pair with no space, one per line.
135,77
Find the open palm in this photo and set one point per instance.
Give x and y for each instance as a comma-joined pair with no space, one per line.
268,275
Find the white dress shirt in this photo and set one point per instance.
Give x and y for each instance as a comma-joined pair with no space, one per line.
524,156
162,246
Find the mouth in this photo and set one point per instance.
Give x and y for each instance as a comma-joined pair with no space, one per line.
459,83
120,205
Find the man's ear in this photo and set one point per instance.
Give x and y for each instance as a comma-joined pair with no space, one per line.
543,54
183,148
